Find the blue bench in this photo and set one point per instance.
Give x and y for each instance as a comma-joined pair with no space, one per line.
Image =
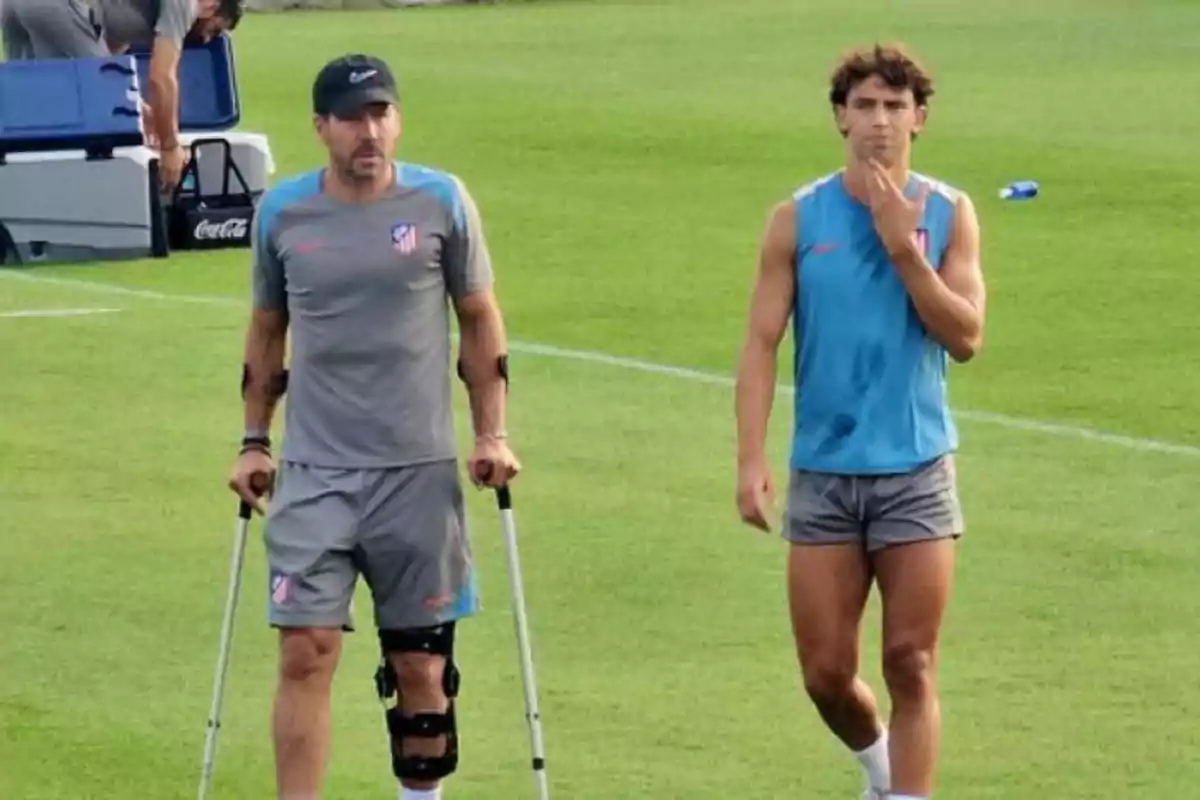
90,103
59,104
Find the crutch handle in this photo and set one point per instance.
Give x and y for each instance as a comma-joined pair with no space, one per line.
245,510
504,498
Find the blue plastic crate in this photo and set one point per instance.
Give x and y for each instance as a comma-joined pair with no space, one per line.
60,104
208,93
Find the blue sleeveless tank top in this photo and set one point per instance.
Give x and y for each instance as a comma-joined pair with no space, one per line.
870,382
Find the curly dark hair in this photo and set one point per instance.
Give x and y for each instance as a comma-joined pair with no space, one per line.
892,63
232,11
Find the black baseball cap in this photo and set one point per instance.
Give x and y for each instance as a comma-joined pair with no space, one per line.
348,83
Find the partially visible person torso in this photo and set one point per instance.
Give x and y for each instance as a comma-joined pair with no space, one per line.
870,381
367,295
139,22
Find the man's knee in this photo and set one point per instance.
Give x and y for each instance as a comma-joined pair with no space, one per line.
308,654
418,667
419,675
908,669
829,675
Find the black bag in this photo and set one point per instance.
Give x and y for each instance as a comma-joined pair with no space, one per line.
8,247
200,221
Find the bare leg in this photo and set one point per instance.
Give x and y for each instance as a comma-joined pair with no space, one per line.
300,720
419,676
828,587
915,583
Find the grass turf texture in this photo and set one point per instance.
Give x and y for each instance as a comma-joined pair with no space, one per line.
624,156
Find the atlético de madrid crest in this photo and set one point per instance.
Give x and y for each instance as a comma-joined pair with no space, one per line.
404,237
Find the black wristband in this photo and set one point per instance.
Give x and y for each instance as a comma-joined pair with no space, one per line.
262,443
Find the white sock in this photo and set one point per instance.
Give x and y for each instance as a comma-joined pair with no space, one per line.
420,794
874,760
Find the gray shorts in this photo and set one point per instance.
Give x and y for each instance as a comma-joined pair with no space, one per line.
874,510
404,530
50,29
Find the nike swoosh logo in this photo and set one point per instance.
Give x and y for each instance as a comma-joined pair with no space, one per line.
359,77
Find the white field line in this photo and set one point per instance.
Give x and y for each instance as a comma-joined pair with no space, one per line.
25,313
699,376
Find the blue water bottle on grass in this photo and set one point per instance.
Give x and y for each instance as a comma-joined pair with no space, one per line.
1020,190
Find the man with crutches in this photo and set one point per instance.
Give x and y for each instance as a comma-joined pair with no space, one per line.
361,261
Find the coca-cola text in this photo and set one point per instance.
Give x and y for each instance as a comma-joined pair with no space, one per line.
231,229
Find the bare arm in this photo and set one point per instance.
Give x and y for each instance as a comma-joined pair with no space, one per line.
770,310
164,91
483,342
950,302
266,337
469,276
263,381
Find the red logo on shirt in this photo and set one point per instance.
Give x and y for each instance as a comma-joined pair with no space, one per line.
309,245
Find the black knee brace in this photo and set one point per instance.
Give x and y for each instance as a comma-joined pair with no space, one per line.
438,640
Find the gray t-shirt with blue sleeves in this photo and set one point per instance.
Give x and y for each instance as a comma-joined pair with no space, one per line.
367,289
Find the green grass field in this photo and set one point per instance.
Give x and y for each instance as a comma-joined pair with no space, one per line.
624,156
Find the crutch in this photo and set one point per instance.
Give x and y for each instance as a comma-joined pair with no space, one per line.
532,715
231,601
